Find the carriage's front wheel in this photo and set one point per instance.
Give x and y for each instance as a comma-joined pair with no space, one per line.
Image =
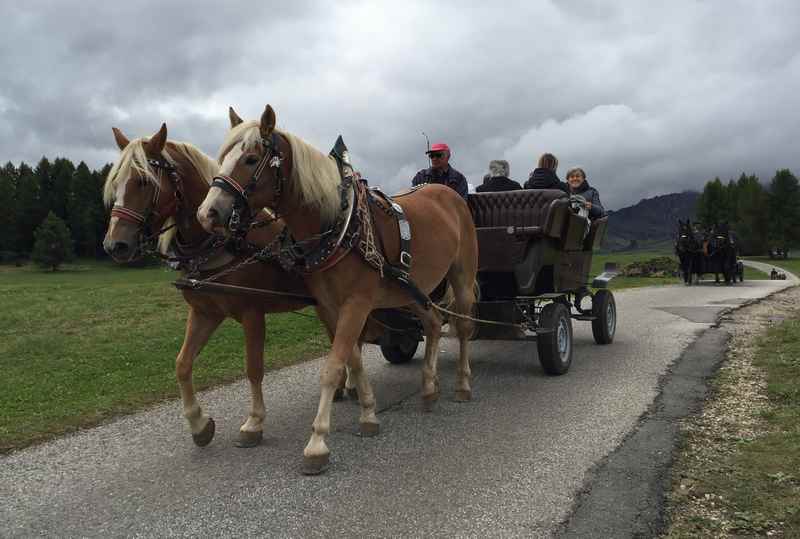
555,346
604,309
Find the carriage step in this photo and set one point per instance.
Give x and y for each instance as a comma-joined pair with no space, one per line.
584,317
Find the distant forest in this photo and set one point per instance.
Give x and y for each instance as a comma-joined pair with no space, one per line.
762,217
73,193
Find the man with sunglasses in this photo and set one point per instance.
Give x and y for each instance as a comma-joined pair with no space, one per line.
440,170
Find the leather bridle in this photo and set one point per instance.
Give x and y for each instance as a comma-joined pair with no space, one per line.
167,208
241,216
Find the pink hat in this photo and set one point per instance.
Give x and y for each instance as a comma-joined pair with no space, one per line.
439,147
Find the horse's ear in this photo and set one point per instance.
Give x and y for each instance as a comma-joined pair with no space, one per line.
267,122
156,143
235,120
122,140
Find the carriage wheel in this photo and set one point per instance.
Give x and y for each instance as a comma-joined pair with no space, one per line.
401,351
555,347
604,309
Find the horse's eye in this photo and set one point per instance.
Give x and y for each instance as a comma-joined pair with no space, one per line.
251,159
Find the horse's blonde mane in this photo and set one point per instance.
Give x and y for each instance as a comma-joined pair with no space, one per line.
134,160
315,176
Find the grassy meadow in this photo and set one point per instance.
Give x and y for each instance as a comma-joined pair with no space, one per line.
94,340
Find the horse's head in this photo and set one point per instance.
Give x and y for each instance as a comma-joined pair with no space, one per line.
686,240
143,195
255,165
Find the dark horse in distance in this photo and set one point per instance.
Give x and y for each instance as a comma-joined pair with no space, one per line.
716,253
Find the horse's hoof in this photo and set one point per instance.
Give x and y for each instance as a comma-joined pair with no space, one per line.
368,430
204,437
315,465
248,438
352,393
338,394
463,395
429,401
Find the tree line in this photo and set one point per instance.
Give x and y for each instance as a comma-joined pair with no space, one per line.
762,218
73,194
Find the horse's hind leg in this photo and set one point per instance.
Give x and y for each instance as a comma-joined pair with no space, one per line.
252,431
368,422
345,386
463,289
432,326
199,327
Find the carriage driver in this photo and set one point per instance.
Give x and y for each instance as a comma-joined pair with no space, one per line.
440,170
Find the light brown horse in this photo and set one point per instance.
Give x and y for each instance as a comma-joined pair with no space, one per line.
166,181
279,171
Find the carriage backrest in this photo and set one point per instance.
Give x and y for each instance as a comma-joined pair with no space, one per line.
545,208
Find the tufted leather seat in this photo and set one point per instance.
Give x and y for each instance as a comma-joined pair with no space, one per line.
528,207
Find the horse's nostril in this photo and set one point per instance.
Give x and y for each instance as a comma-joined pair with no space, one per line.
213,215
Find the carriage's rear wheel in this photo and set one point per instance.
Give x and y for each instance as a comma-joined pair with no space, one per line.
400,351
604,309
555,347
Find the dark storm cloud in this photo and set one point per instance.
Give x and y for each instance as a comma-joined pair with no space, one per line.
649,99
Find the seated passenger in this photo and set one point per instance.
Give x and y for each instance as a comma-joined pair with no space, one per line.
498,179
544,176
441,172
576,180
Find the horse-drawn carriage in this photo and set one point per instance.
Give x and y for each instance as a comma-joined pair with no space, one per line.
711,251
535,253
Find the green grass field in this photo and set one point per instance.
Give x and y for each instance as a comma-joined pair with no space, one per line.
95,340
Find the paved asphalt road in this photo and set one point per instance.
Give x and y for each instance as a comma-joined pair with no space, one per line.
509,463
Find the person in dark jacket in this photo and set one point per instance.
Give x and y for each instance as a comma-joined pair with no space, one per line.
544,175
576,180
498,178
440,171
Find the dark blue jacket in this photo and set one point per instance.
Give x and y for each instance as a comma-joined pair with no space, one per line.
451,178
590,194
498,183
544,178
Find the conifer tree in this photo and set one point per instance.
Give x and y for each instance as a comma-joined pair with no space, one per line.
8,209
784,209
53,245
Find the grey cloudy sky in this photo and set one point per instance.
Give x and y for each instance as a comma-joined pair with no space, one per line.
649,97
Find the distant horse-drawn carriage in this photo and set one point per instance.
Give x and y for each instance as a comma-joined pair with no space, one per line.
711,251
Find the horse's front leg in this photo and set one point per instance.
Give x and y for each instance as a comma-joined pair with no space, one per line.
199,327
252,431
352,316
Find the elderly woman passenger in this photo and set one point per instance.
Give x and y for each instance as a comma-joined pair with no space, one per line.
498,178
576,180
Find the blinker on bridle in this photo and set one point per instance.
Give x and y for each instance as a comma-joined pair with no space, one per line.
240,214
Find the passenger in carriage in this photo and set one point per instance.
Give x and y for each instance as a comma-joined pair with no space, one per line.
576,180
441,172
544,175
498,178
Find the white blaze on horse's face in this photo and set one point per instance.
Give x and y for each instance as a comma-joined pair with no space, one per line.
122,236
215,211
